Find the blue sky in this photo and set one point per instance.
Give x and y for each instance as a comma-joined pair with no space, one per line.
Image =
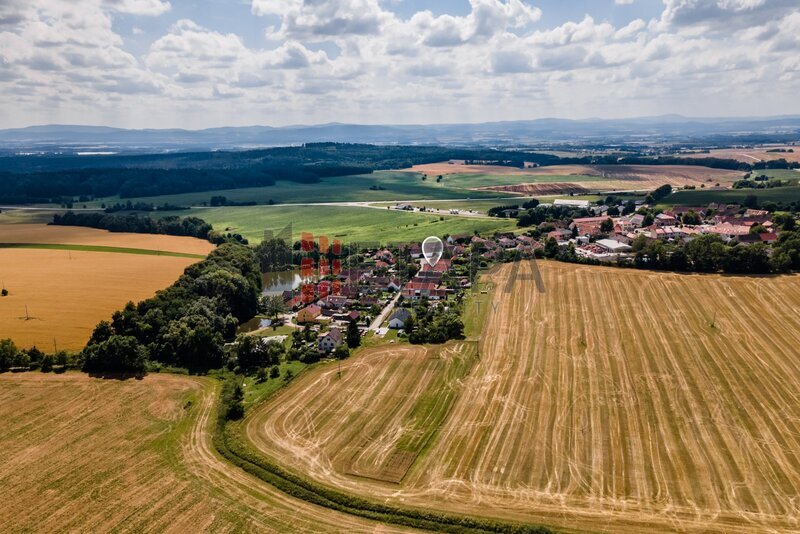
201,63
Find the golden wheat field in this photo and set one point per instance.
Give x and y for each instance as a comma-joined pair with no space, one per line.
59,296
614,400
74,235
83,454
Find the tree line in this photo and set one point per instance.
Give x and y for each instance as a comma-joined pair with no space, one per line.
185,325
55,178
710,254
172,225
13,358
433,324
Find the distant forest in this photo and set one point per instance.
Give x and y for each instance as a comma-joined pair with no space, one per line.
46,179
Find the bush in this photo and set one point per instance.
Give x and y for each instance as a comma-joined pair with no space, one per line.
118,354
231,400
8,352
47,363
261,375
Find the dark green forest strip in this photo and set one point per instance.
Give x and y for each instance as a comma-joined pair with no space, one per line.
99,248
228,443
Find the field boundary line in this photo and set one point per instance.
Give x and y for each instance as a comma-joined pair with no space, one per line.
100,248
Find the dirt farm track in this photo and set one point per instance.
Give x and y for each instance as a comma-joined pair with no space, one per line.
616,400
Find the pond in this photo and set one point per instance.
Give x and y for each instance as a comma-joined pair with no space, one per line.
256,323
276,283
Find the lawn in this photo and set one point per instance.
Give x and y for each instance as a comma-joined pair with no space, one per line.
349,224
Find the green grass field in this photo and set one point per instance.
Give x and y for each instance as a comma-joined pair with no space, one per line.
100,248
481,206
700,197
782,174
397,186
344,223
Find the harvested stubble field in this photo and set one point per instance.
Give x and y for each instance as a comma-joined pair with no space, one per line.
751,155
566,188
622,178
444,168
376,436
90,455
616,400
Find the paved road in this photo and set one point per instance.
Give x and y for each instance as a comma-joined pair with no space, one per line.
378,321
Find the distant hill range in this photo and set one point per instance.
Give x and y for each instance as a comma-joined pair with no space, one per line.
667,129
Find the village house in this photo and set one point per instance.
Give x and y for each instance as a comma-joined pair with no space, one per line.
399,318
382,283
637,220
662,219
588,226
755,213
416,290
562,236
347,317
727,231
458,238
435,270
330,341
766,237
415,251
309,314
506,242
492,254
368,301
385,255
335,302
